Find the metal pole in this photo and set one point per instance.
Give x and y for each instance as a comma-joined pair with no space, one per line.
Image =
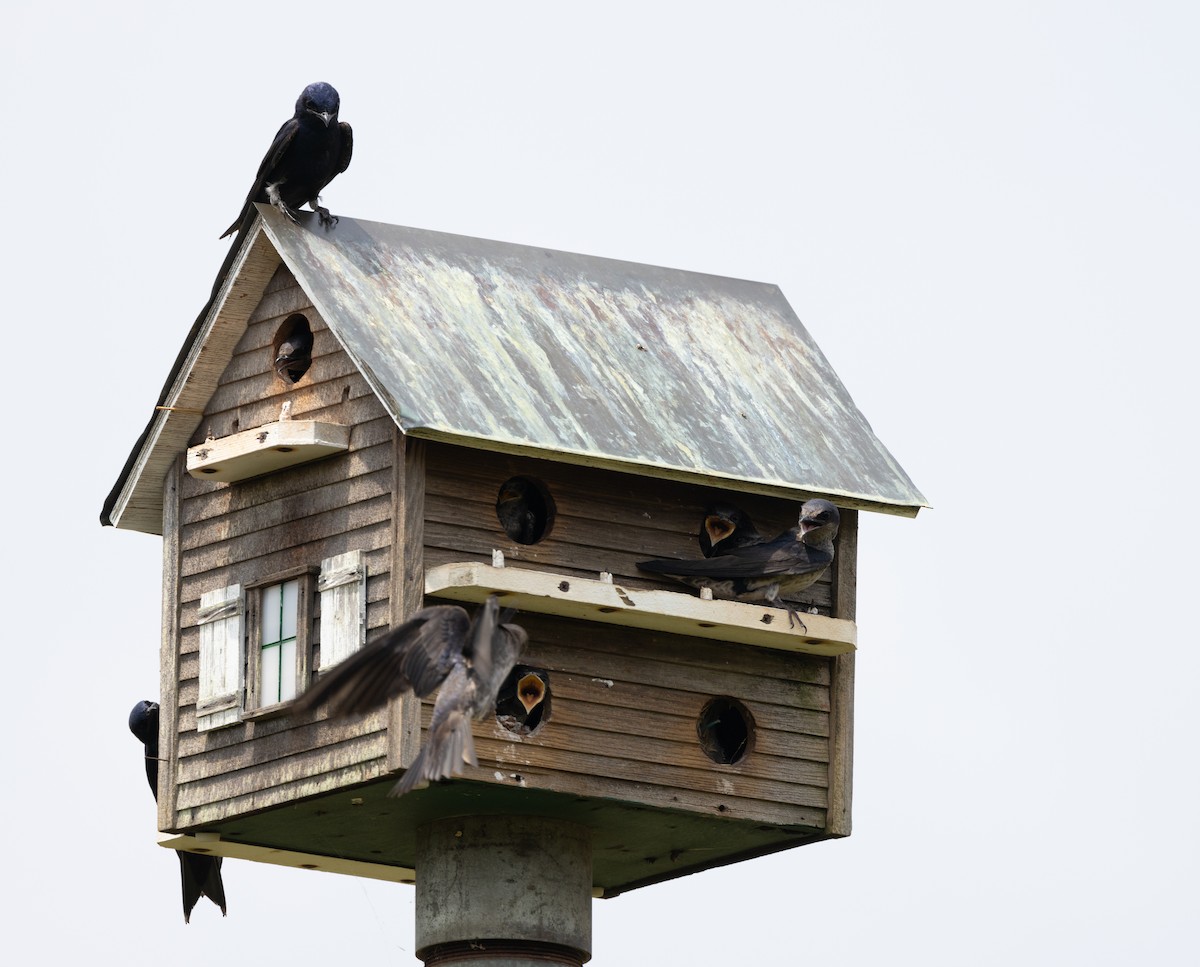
504,891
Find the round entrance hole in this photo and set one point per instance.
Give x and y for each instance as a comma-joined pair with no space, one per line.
525,509
726,730
523,702
292,348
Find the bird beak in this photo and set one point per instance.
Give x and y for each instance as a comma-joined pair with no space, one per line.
718,529
324,116
531,690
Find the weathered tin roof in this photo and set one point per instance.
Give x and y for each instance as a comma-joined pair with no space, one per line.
640,368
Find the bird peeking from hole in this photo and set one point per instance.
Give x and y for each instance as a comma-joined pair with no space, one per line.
523,701
724,528
522,511
200,874
768,572
308,152
442,648
294,356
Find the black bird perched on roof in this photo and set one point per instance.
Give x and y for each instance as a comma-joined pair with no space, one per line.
309,151
200,874
769,571
442,646
724,528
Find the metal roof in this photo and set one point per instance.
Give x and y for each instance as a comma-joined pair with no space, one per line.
590,360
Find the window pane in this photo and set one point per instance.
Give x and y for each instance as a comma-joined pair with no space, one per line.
287,671
270,613
289,609
270,674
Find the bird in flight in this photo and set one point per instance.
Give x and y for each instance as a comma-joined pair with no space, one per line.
309,151
443,648
724,528
766,572
199,873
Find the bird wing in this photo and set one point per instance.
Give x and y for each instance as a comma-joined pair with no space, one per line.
479,647
283,139
417,655
347,133
508,641
435,647
781,556
143,723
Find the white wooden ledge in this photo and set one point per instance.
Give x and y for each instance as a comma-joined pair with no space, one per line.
266,449
675,612
212,844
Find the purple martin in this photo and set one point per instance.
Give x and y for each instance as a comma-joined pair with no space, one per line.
440,647
767,572
522,511
724,528
294,356
200,874
523,700
309,151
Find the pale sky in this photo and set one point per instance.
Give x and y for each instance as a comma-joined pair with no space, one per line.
986,214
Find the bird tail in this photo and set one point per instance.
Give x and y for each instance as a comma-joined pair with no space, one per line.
240,221
201,876
446,750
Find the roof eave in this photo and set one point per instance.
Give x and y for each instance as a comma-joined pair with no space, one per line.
768,488
135,502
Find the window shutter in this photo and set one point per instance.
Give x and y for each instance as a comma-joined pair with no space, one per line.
343,587
222,623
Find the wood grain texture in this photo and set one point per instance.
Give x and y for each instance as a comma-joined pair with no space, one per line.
624,718
294,518
626,702
841,762
408,583
169,647
604,521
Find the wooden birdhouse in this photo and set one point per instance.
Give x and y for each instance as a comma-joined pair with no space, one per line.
374,418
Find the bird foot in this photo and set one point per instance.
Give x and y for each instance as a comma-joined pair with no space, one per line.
794,618
289,212
276,199
327,220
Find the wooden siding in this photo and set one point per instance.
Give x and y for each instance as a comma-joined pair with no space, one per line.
239,533
625,706
605,521
626,702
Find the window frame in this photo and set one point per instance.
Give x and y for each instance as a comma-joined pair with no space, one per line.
306,576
